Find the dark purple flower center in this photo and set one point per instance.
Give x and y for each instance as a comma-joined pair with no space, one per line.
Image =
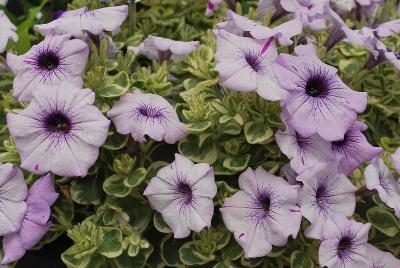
48,60
345,247
254,60
164,55
323,197
263,205
150,113
316,86
348,146
185,192
397,54
58,122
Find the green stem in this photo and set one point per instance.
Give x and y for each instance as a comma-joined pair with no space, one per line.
132,17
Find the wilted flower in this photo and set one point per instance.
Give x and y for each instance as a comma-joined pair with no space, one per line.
13,192
381,259
7,31
162,49
60,131
35,225
289,174
344,244
52,61
325,193
354,149
212,6
387,28
303,152
96,21
245,64
317,101
243,26
182,192
263,213
395,158
378,176
344,5
142,114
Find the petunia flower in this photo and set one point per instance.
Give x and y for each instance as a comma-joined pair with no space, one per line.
60,131
163,49
378,176
243,26
395,159
303,152
52,61
263,213
344,244
35,225
75,22
325,194
142,114
387,28
183,193
344,5
317,100
7,31
245,64
381,259
354,149
13,192
212,6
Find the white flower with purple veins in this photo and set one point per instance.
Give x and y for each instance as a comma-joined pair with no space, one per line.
243,26
344,244
54,60
183,193
245,64
60,131
381,259
354,149
325,194
35,224
303,152
317,100
378,176
263,213
7,31
163,49
76,22
145,114
13,191
212,6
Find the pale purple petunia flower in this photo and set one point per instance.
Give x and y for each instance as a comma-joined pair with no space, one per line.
146,114
354,149
245,64
212,6
378,176
344,5
52,61
35,225
344,244
13,192
162,49
96,21
7,31
263,213
395,158
325,193
243,26
183,193
381,259
303,152
387,28
317,100
60,131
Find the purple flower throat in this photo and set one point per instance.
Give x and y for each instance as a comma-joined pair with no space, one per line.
58,122
48,60
345,247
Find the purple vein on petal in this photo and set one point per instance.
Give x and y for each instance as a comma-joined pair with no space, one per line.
267,45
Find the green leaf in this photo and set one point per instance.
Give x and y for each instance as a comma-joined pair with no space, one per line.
170,250
87,191
383,220
115,186
257,132
111,246
116,141
135,178
117,86
160,224
237,163
190,256
191,148
349,66
139,261
198,127
219,168
300,259
154,168
232,251
75,258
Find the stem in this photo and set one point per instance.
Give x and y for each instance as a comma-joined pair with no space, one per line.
364,192
132,17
